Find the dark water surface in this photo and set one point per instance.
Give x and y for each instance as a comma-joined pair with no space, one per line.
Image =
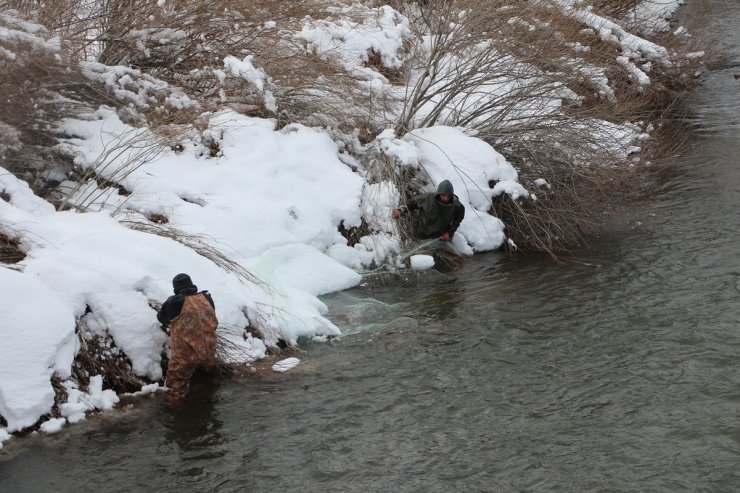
618,373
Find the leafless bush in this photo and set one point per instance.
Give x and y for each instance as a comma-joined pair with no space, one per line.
537,53
534,53
450,77
186,45
232,357
500,68
39,89
124,155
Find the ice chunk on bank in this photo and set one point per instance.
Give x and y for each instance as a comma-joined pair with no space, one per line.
421,262
304,267
297,274
54,425
285,365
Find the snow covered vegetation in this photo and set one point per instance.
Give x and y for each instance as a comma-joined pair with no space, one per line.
261,147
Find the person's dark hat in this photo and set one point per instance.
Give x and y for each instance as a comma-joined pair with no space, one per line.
445,187
181,281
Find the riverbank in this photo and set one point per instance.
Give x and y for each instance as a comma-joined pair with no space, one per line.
252,205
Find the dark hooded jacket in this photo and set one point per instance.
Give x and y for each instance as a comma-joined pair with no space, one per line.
183,286
432,218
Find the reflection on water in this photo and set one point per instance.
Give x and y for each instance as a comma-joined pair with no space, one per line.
443,304
195,424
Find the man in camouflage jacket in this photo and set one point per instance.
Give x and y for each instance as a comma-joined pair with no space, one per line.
191,317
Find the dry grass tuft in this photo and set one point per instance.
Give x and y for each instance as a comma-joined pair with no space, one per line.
10,252
200,244
99,355
60,395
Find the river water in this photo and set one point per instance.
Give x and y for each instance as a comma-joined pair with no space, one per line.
619,372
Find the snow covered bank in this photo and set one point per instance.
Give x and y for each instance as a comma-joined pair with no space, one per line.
271,201
253,211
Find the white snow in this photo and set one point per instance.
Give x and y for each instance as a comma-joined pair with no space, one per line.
38,339
381,31
149,389
78,402
633,47
132,86
16,32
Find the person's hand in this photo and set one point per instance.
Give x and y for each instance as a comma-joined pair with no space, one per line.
445,236
395,214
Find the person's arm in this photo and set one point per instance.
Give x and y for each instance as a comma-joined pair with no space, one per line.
457,217
411,205
170,309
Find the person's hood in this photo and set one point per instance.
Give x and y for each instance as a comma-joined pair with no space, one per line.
445,187
182,284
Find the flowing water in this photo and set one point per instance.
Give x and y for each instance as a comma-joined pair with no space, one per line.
617,373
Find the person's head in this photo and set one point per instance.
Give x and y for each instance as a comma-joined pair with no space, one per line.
445,192
182,282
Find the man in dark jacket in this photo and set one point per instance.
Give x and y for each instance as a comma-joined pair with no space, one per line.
191,317
435,215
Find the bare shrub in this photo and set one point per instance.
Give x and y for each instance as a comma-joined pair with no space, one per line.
96,182
198,46
232,358
564,214
186,45
39,90
532,78
539,53
536,53
60,395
